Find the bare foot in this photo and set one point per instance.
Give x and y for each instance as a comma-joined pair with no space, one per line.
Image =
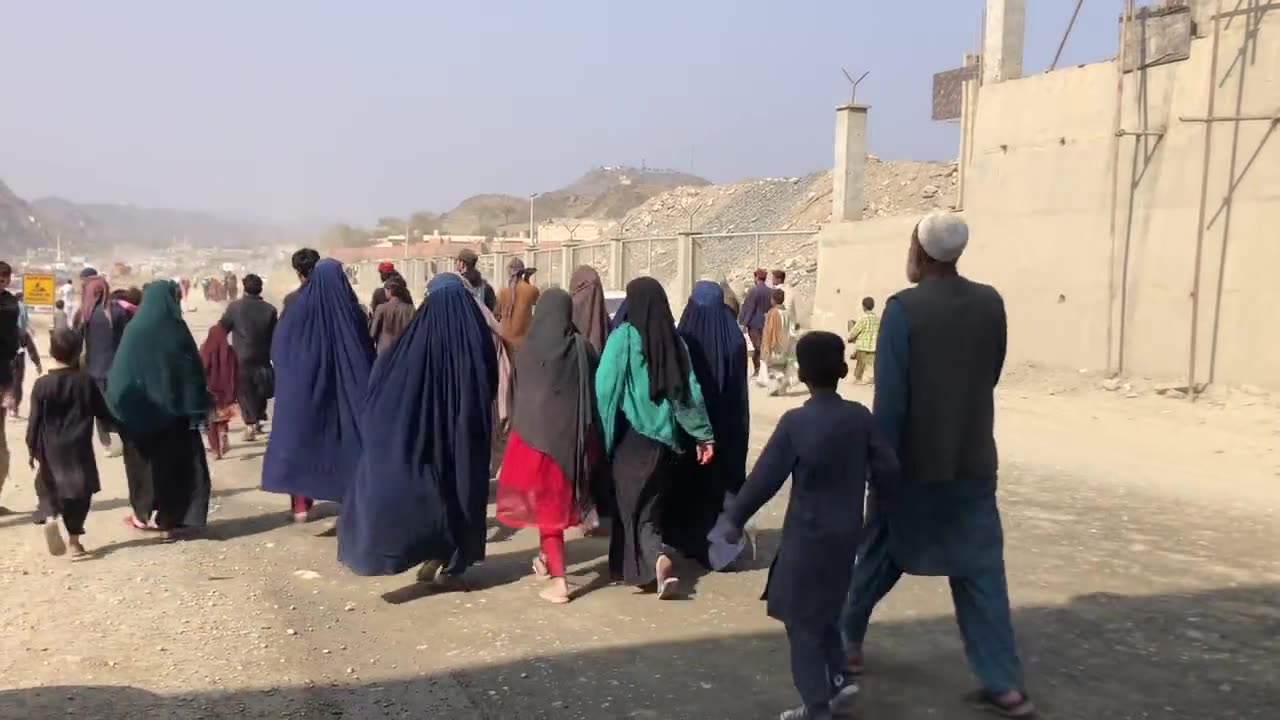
301,517
556,592
540,568
76,548
854,664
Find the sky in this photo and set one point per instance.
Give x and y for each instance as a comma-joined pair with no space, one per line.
313,110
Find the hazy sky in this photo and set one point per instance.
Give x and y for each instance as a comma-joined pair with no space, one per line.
316,109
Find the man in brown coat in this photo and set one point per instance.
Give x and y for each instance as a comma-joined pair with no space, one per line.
515,304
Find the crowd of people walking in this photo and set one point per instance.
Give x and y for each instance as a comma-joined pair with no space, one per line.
404,415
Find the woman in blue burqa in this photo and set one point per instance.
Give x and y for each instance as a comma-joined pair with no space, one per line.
421,488
699,493
322,354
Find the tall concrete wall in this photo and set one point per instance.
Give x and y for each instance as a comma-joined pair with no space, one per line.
1038,200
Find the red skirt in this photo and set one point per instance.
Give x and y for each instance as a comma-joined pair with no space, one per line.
532,490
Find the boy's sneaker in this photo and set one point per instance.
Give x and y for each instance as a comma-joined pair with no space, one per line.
53,537
804,713
845,700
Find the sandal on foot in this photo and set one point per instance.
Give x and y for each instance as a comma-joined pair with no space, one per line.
53,537
552,595
429,571
134,523
540,568
991,702
667,586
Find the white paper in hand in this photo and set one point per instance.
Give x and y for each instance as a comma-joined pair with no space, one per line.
721,553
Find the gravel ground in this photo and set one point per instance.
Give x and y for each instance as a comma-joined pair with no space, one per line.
1140,544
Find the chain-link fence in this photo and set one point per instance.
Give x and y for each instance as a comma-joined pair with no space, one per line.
657,257
487,265
731,257
596,256
548,263
734,257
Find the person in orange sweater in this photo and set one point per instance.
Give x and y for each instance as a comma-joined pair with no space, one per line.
515,304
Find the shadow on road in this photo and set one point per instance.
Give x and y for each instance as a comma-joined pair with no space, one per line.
1212,654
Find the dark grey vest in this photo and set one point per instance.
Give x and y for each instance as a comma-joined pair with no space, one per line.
957,335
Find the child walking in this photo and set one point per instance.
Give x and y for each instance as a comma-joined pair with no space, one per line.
830,447
64,405
778,344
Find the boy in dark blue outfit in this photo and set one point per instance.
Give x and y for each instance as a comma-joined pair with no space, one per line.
830,447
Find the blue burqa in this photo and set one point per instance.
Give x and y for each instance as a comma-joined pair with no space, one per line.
421,487
322,355
718,354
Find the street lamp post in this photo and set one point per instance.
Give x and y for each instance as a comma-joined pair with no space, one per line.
532,240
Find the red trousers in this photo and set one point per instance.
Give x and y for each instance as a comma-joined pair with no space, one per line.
552,543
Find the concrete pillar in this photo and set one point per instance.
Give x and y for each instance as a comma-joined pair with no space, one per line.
682,286
1003,39
615,281
499,267
566,265
849,176
968,112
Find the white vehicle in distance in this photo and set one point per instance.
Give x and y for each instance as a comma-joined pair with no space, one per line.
612,301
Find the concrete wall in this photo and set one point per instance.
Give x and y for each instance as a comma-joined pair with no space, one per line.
1038,200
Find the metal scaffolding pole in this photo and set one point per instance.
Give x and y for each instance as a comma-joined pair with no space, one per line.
1273,117
1204,203
1115,347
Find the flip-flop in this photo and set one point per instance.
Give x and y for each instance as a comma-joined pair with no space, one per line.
556,600
429,571
53,537
540,568
667,586
133,523
668,589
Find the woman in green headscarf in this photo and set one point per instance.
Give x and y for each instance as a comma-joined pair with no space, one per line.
157,393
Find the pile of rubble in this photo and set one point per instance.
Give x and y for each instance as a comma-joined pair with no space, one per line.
799,206
893,188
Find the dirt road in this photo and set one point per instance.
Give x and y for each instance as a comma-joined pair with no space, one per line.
1142,538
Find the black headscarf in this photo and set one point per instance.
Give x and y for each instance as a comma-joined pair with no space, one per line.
553,404
649,312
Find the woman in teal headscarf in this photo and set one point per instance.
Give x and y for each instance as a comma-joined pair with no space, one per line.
157,393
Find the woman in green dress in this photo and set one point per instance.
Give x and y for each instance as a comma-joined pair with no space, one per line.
651,412
157,393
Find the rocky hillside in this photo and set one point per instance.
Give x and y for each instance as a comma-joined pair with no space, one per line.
800,205
603,193
112,225
17,231
893,188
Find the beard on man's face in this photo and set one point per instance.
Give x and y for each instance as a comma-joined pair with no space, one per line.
913,266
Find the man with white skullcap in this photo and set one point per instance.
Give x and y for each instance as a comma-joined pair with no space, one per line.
938,357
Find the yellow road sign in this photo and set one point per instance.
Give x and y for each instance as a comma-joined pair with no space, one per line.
37,288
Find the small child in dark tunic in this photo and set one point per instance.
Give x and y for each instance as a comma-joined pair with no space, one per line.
829,447
64,405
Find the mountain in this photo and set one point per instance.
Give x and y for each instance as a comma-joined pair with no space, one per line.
602,193
112,225
17,231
